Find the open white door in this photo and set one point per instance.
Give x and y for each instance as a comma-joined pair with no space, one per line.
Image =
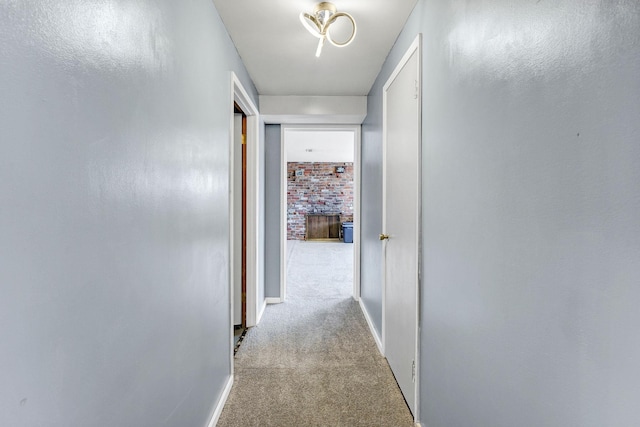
401,204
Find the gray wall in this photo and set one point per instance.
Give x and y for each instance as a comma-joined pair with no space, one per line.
371,209
531,200
114,147
272,211
262,151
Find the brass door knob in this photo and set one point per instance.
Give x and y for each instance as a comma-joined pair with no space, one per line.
384,237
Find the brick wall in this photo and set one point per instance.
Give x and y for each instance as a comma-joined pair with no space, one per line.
319,190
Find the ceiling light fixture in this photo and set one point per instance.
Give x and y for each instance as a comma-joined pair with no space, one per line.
325,14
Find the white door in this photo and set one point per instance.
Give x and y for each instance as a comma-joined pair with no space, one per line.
401,200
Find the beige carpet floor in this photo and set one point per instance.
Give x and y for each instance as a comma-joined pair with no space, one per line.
312,360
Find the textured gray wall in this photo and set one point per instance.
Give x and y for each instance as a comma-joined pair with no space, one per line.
114,130
272,211
531,200
371,210
262,149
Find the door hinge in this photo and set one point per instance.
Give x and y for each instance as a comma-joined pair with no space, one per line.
413,371
244,139
415,96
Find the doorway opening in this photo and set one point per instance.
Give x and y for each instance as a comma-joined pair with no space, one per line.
245,243
239,201
320,202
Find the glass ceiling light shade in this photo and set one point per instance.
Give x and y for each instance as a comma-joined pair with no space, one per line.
318,24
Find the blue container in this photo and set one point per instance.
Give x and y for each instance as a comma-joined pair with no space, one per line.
347,232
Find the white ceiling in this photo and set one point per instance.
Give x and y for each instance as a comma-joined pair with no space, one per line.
319,146
279,52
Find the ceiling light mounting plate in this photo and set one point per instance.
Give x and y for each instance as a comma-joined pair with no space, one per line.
325,5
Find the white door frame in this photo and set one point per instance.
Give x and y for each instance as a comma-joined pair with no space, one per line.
240,96
356,129
416,47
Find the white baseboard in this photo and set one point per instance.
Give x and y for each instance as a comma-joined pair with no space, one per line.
371,328
261,312
273,300
220,405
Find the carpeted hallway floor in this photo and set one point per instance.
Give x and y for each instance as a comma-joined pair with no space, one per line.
312,360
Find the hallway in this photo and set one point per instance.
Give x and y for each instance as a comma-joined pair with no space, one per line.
312,360
117,162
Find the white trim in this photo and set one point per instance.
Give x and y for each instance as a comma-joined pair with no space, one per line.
283,217
374,333
415,48
383,264
357,130
254,248
239,95
273,300
261,312
231,223
418,46
221,402
357,207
